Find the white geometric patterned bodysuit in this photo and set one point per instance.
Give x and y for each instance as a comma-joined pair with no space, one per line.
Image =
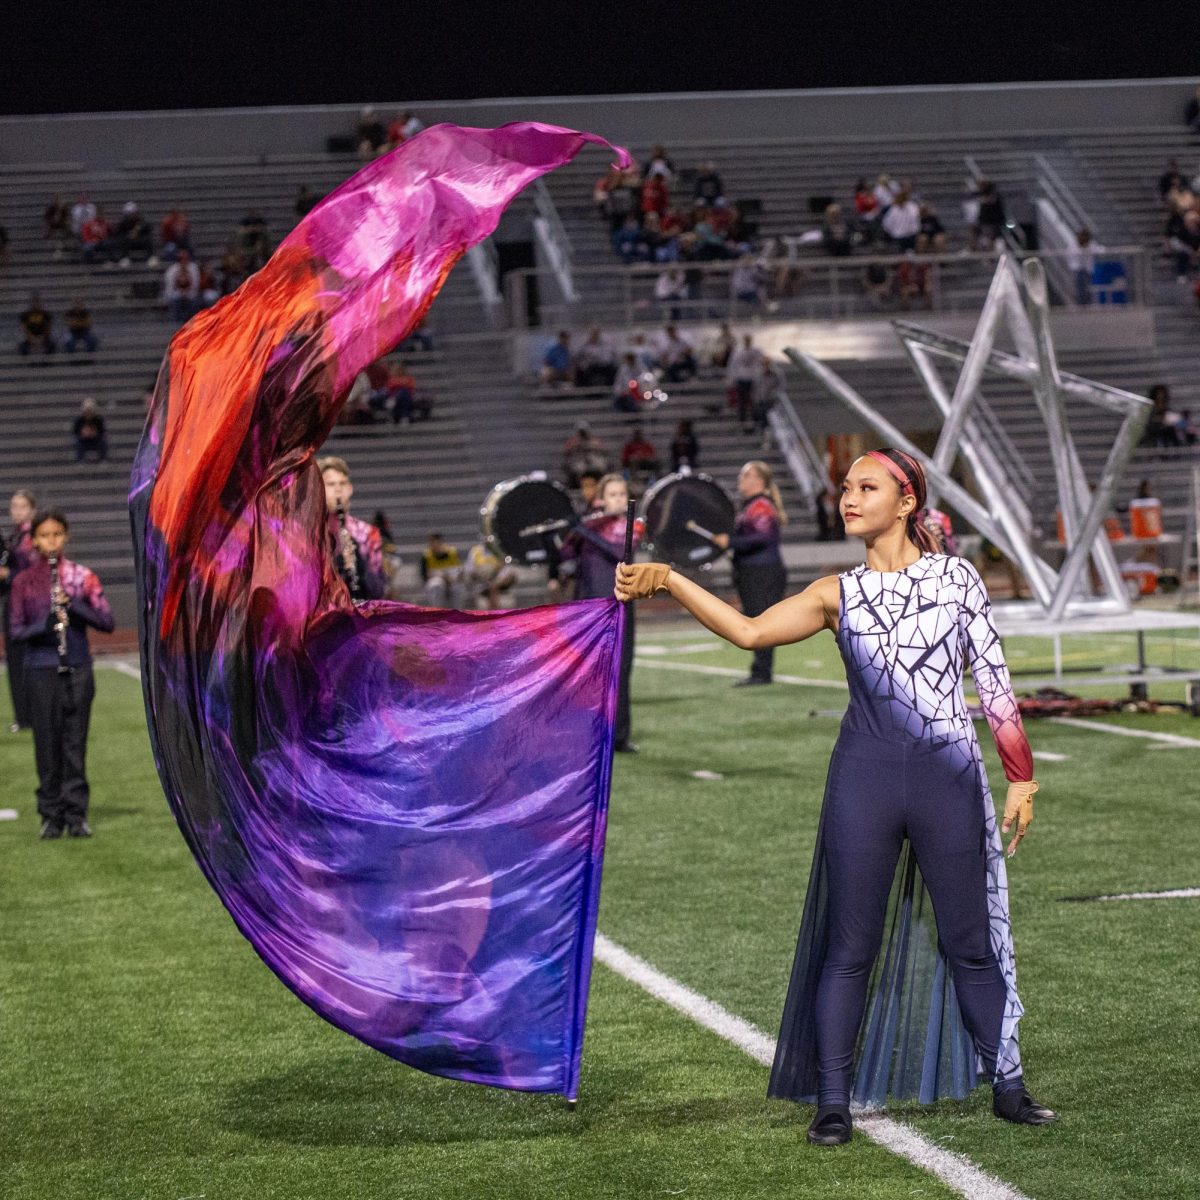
904,637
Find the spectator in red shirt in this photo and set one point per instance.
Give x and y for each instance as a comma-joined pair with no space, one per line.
655,197
638,456
94,235
175,233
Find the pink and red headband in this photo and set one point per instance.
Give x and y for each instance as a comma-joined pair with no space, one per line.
895,471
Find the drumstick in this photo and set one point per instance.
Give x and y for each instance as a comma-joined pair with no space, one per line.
693,527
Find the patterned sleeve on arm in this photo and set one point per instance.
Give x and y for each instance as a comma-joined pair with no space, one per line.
757,527
90,602
982,646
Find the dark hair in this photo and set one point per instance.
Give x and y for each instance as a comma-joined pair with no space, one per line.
49,514
915,474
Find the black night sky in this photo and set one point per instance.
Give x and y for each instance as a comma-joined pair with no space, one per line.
119,56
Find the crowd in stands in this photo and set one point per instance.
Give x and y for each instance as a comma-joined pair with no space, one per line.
1180,197
586,459
373,138
37,329
1168,427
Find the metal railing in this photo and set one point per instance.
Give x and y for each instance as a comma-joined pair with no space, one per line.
791,287
553,241
484,262
803,461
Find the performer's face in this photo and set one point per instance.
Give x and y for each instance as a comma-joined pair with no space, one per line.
871,502
750,482
49,538
19,509
338,490
615,499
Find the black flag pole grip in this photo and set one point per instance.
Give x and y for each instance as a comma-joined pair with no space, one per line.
630,509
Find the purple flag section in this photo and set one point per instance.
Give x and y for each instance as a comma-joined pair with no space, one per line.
403,809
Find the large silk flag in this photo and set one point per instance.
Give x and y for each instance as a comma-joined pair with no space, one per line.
402,808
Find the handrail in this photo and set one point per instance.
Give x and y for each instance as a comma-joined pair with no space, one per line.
797,449
1011,233
623,292
554,240
1060,195
484,261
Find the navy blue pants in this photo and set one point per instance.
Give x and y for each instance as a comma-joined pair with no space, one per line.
881,792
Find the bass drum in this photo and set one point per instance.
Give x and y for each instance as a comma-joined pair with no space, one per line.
523,519
679,511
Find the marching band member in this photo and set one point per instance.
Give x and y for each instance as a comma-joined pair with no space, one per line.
357,545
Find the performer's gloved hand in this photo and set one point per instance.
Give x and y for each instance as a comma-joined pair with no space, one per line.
639,581
1018,807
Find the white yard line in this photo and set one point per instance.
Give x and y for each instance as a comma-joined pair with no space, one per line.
121,666
1173,894
1050,756
1170,739
957,1172
735,673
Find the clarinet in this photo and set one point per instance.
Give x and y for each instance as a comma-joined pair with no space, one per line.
347,551
58,606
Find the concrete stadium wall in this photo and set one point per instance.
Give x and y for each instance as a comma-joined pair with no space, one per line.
105,139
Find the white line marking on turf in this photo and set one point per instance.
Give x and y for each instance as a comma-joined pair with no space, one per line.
1173,894
1050,756
681,648
9,814
959,1173
734,673
125,668
1172,739
707,775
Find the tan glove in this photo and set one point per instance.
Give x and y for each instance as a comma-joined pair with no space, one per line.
639,581
1018,807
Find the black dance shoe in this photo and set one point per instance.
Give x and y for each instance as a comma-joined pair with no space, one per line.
753,681
626,748
831,1127
50,830
1019,1107
80,829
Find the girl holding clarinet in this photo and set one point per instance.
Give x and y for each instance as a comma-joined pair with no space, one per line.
906,786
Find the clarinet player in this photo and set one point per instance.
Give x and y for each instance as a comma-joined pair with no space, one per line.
357,546
53,603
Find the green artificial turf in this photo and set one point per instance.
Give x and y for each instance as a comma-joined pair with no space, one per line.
148,1053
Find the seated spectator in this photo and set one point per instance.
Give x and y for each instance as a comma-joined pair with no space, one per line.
657,247
902,221
685,448
402,388
36,335
589,492
1170,180
406,125
989,224
866,210
643,354
837,238
557,367
583,454
1081,261
601,189
627,385
175,233
82,211
719,347
370,134
675,356
94,236
884,191
655,197
90,437
181,288
595,361
488,577
671,292
708,188
57,219
628,243
210,284
1191,112
658,164
132,237
1162,429
441,572
306,200
233,270
255,239
710,244
722,218
357,410
419,338
911,284
1183,240
624,199
79,328
745,286
932,237
638,456
1185,428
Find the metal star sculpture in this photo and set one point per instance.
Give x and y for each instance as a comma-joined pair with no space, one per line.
1017,296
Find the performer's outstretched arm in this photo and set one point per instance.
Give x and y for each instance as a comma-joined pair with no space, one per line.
791,620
